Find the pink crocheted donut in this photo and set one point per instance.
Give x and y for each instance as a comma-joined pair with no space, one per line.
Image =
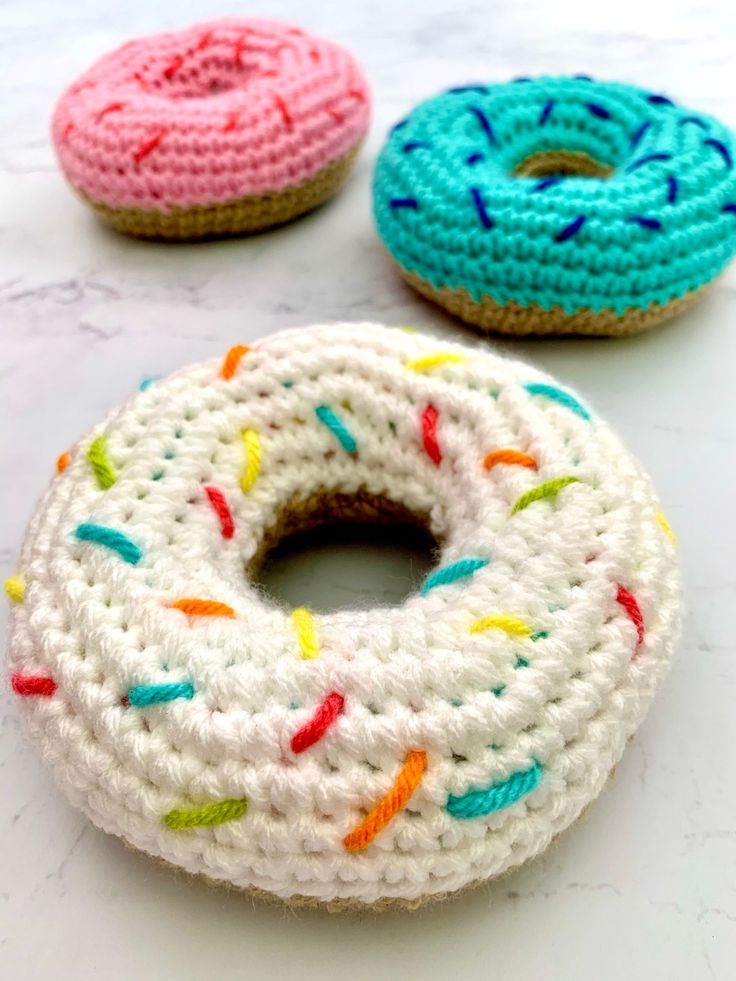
225,127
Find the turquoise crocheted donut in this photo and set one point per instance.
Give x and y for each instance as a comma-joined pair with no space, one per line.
558,204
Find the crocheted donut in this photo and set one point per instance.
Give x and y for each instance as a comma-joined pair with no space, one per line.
558,205
223,128
359,756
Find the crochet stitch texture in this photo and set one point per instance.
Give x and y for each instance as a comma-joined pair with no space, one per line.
480,199
363,755
224,127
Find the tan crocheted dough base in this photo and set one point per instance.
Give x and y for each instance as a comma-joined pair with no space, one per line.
253,213
513,318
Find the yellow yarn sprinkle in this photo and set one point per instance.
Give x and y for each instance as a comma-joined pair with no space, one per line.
305,632
435,360
510,625
666,527
252,446
101,467
15,588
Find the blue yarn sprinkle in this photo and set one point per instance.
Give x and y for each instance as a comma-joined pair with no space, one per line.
458,89
485,123
337,427
110,538
544,115
547,182
142,695
451,573
146,382
404,203
474,158
397,126
646,222
672,187
729,208
660,100
558,395
639,133
696,120
584,78
521,78
477,803
722,149
416,145
569,230
647,159
485,219
598,110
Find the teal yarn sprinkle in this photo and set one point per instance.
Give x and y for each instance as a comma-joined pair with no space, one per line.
337,427
141,696
110,538
473,140
558,395
148,381
451,573
478,803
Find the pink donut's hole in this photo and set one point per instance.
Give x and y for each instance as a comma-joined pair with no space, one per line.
211,71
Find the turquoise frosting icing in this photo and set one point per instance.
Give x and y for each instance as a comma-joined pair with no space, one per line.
448,205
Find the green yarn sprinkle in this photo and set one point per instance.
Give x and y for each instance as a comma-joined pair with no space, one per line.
102,468
207,816
551,488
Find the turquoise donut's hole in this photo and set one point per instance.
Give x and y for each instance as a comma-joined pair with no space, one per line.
561,163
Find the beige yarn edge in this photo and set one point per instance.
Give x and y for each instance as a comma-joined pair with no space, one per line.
252,213
513,318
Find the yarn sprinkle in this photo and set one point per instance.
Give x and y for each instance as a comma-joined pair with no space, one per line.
448,574
479,803
110,538
323,719
395,800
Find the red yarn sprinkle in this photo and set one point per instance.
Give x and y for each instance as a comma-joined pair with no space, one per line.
284,110
67,131
173,67
314,54
233,118
26,685
240,46
204,40
429,435
629,603
357,94
222,510
149,145
335,113
110,107
312,731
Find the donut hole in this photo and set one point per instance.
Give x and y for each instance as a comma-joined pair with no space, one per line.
562,163
344,551
206,72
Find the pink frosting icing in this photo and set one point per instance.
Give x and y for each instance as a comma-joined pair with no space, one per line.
209,114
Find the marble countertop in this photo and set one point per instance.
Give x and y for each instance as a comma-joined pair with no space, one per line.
644,887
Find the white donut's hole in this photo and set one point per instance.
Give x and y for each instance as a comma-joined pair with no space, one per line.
345,557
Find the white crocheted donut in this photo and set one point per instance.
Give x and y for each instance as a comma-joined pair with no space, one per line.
393,753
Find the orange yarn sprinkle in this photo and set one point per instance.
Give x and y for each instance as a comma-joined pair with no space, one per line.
232,360
62,461
509,456
202,607
376,820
